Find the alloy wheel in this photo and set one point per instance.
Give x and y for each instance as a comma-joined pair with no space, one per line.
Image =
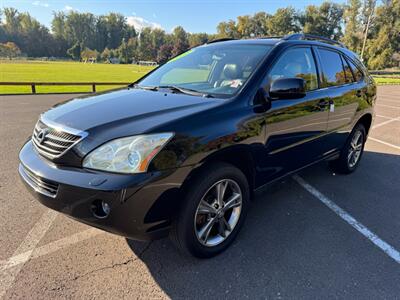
355,149
218,212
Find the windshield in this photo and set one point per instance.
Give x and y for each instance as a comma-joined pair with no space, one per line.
217,70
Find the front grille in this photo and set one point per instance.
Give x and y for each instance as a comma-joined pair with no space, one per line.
43,186
52,142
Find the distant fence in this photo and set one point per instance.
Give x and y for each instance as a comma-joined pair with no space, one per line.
388,73
34,84
146,63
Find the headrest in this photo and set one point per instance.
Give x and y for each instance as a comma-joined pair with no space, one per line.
231,71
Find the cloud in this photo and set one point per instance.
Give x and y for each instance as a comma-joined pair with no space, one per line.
140,23
68,8
39,3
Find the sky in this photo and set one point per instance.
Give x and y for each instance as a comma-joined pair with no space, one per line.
193,15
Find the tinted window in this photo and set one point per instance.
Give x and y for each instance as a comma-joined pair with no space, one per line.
332,68
356,71
347,71
297,62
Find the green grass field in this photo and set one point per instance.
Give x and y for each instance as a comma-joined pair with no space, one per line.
37,71
386,80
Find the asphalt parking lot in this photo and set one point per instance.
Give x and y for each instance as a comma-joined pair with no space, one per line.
318,235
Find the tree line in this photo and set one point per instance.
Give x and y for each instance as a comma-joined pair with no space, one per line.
371,30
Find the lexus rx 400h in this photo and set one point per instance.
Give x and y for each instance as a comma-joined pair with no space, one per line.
181,151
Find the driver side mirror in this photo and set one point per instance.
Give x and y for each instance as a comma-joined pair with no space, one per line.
287,88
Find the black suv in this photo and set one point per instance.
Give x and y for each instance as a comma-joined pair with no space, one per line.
181,151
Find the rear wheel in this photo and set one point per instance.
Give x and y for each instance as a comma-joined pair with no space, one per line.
351,153
213,211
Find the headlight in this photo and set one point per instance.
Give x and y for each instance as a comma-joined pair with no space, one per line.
127,155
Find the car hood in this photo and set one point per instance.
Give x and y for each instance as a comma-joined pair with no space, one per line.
141,108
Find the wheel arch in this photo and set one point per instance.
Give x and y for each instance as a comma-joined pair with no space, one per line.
238,155
365,120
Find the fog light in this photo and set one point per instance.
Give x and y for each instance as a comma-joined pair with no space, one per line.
100,209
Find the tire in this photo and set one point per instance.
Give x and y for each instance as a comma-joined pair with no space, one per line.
189,232
344,164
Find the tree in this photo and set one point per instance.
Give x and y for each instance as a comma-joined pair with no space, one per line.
396,58
180,41
145,43
384,38
88,54
158,38
60,45
105,55
75,51
227,30
117,29
133,48
164,53
244,27
9,50
125,53
284,21
259,24
352,36
196,39
382,50
325,20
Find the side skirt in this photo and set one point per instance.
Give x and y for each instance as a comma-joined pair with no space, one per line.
331,156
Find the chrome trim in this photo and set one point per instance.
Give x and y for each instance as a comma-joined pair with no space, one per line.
51,153
60,127
37,184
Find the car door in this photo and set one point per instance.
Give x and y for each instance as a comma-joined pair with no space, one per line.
344,93
294,127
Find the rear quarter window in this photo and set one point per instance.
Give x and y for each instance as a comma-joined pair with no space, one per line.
358,75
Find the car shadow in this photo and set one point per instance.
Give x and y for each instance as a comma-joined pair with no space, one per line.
282,251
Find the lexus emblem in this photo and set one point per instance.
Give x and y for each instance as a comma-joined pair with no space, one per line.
42,135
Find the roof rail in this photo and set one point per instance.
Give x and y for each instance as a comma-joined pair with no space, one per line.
220,40
271,37
305,36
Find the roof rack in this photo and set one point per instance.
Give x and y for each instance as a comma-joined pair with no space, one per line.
220,40
271,37
304,36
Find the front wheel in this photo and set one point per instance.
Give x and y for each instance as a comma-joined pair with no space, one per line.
213,211
351,153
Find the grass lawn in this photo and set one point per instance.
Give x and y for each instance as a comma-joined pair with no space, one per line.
386,80
37,71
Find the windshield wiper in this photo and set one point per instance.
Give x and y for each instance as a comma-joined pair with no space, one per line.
175,89
185,91
144,87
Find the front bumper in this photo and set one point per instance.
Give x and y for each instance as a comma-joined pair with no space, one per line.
141,205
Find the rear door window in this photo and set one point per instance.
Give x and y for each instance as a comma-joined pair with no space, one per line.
333,73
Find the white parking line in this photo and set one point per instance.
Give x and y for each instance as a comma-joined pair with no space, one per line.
49,248
385,122
381,244
7,276
384,143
